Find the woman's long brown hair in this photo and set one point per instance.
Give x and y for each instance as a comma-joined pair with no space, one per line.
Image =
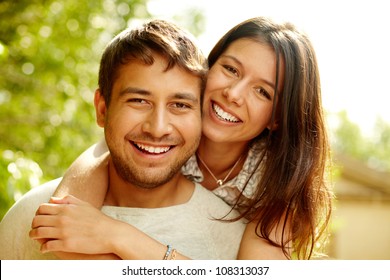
293,191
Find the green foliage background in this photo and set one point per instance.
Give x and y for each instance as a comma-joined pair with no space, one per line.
373,150
49,59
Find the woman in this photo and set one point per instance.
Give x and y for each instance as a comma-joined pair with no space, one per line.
264,147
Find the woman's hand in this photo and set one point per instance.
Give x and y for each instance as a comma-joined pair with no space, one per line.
74,229
71,225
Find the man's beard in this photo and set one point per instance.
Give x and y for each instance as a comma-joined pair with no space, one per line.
142,178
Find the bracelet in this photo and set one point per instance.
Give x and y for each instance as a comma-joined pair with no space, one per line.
168,252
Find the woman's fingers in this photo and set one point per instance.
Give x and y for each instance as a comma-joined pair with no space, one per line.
44,232
68,199
43,221
71,225
48,209
53,245
48,221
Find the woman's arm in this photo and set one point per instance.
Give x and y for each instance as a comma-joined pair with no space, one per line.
71,225
73,229
255,248
88,172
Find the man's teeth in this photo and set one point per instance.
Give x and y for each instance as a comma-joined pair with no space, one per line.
224,115
153,150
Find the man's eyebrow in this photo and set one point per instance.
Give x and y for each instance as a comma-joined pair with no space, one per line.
185,95
134,90
177,95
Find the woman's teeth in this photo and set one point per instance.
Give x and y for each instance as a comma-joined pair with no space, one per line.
221,114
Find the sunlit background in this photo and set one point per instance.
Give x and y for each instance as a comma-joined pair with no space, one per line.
49,55
351,39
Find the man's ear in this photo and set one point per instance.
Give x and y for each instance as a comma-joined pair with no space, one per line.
100,108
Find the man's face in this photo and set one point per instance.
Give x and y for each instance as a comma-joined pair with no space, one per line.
153,122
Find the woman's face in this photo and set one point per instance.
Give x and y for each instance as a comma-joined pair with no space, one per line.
239,93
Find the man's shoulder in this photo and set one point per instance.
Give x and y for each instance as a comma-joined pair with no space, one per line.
218,227
36,196
203,193
16,223
208,200
45,190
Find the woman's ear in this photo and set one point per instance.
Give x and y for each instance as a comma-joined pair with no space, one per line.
273,126
100,108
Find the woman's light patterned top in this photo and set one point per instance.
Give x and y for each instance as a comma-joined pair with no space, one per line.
231,189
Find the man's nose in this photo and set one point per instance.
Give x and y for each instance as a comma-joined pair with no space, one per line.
158,123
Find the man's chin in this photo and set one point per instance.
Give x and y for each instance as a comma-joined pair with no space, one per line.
150,180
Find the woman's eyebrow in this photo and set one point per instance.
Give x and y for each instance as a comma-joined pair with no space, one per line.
233,58
271,84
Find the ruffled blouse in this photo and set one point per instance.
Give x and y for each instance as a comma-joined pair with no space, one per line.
231,189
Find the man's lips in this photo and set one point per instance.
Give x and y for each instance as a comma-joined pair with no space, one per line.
154,150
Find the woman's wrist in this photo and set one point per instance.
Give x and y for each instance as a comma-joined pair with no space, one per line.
131,243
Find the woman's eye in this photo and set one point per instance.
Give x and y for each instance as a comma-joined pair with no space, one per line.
231,69
264,93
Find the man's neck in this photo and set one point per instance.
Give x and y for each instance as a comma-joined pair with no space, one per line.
120,193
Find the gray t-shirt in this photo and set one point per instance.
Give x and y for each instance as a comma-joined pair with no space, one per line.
190,228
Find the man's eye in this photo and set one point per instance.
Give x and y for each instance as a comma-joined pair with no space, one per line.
136,100
181,106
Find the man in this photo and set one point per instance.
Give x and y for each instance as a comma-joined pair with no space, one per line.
148,101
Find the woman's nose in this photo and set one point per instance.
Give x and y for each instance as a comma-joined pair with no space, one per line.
234,93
